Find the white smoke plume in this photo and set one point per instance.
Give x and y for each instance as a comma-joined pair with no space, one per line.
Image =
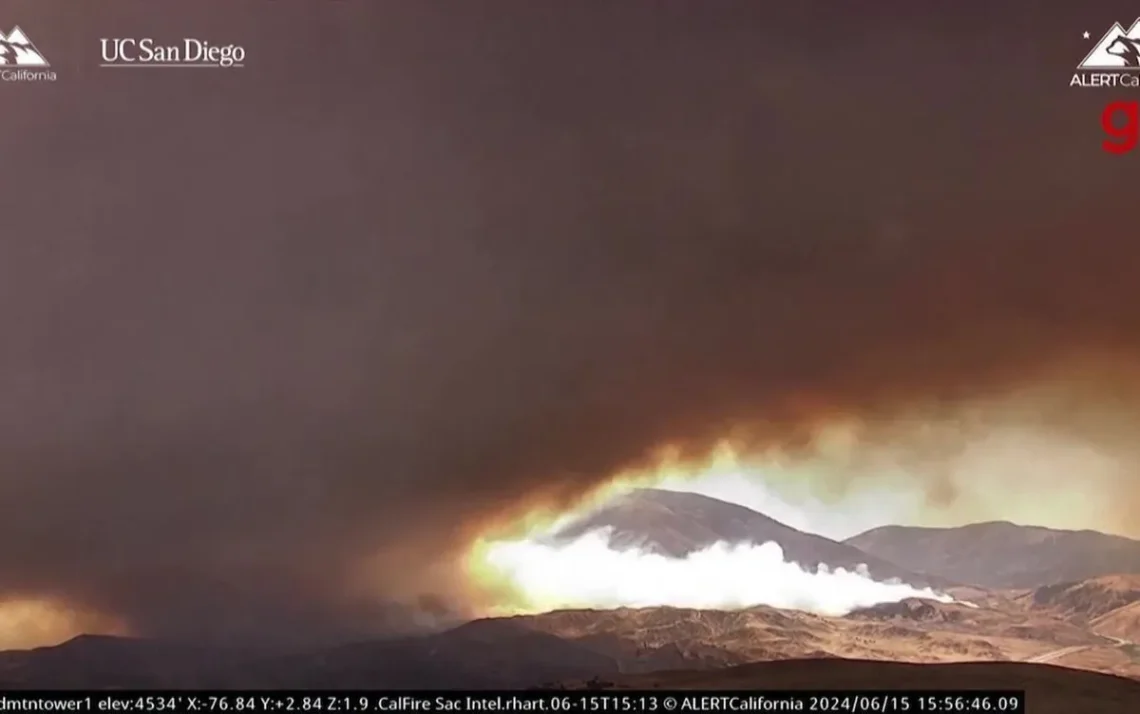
588,573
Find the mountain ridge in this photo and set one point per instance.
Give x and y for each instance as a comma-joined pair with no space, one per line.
677,524
1001,554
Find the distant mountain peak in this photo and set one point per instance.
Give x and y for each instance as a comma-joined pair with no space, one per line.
995,526
1000,554
677,524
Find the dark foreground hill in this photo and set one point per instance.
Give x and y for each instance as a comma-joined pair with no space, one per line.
581,645
677,524
1003,555
474,656
517,657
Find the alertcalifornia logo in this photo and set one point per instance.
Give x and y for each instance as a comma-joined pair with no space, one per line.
21,60
1114,61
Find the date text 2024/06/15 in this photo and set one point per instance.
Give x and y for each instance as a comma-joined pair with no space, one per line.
1121,123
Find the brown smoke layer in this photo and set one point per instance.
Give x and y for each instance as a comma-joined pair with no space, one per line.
275,338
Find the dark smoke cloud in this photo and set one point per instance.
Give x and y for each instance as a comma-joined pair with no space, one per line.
274,336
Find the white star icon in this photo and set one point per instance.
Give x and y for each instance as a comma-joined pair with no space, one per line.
1086,35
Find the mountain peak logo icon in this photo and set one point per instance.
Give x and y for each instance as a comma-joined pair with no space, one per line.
17,49
1119,49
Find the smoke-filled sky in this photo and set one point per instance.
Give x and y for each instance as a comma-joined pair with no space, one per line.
280,340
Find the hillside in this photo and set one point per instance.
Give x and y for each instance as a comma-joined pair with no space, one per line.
676,524
105,661
1002,555
914,630
1122,623
504,655
1086,600
562,646
1108,606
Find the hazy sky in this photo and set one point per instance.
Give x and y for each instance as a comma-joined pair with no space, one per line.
277,337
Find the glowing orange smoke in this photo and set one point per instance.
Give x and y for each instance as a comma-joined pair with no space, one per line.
527,574
29,622
667,469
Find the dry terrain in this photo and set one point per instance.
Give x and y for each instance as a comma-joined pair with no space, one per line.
1108,606
1003,555
1086,600
580,645
911,631
1122,623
